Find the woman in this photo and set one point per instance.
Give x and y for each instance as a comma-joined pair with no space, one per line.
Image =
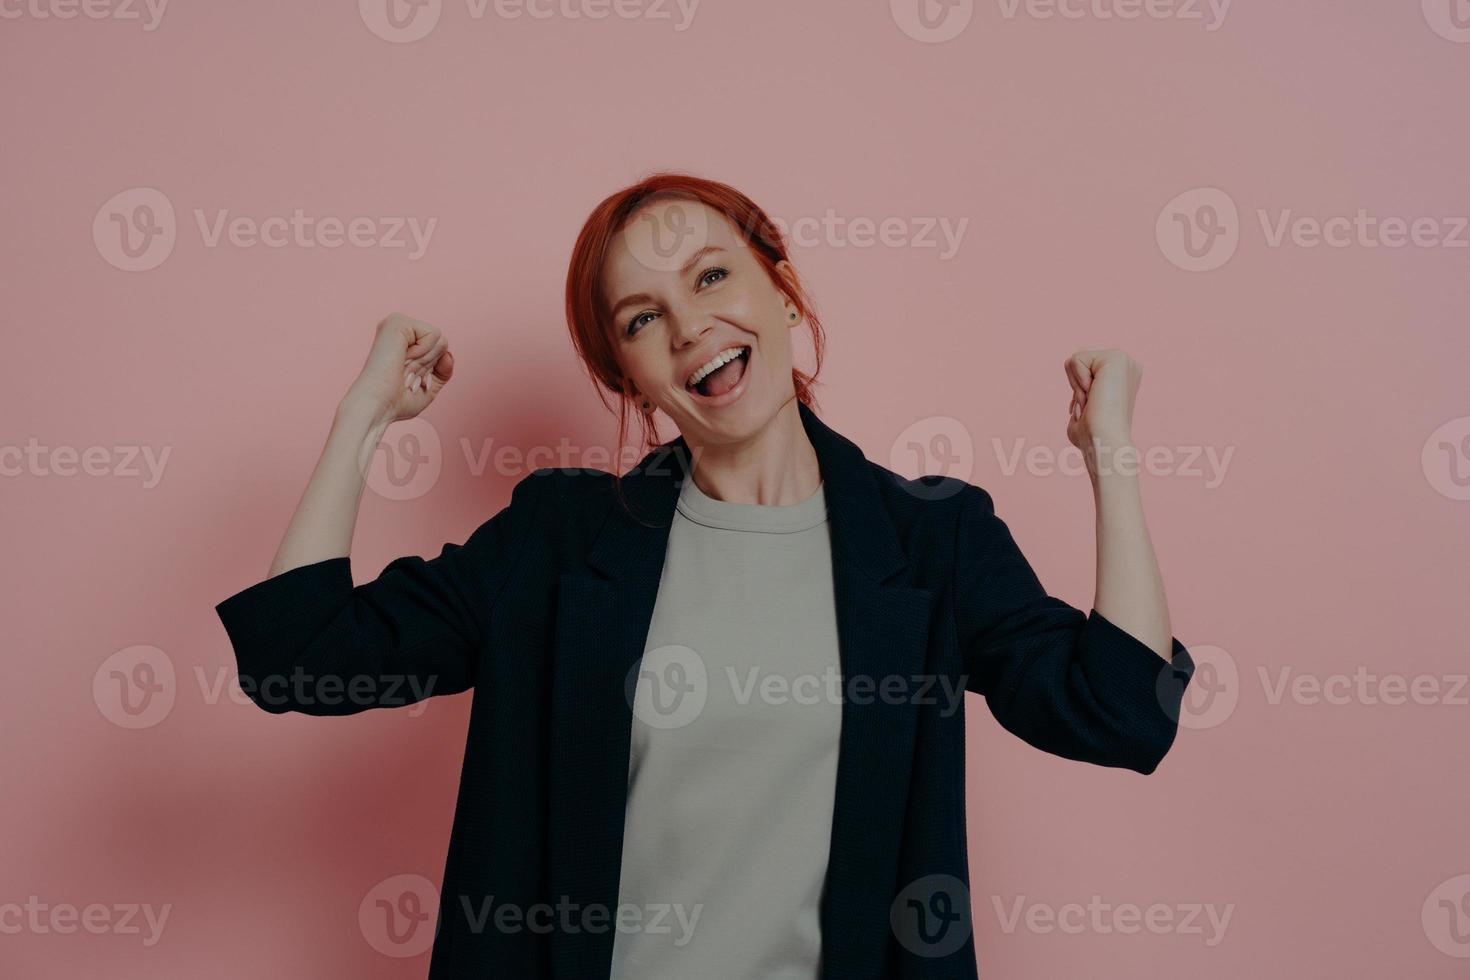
717,722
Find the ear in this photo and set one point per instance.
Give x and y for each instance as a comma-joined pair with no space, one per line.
790,287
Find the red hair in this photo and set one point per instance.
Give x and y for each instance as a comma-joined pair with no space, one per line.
587,305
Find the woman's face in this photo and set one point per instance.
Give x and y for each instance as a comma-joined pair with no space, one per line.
685,287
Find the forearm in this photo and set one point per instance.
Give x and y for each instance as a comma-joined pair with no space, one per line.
326,515
1130,589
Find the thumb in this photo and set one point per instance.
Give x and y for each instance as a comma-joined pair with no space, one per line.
444,367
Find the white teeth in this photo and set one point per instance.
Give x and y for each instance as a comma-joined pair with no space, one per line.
724,356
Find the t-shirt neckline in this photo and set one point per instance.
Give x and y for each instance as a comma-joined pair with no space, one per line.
701,508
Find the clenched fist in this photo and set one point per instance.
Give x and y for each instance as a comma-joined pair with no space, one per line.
408,365
1104,386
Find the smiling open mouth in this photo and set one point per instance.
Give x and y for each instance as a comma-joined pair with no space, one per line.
724,378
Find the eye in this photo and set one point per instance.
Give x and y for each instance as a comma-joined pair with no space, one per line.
635,324
635,321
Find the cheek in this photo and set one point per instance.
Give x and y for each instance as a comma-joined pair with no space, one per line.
742,301
754,311
646,370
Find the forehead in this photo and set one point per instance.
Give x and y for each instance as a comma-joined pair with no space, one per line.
659,239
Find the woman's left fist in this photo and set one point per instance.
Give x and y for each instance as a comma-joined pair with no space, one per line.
1104,386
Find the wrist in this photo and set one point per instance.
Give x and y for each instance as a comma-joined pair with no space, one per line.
361,425
1110,455
359,411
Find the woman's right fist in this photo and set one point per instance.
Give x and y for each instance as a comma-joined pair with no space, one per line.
408,365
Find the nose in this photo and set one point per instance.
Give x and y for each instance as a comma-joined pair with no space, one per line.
689,326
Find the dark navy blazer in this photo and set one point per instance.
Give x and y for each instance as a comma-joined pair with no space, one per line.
543,613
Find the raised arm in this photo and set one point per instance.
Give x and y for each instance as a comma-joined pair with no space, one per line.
1103,687
1073,684
305,639
407,366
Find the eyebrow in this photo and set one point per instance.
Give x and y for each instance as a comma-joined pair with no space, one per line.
645,298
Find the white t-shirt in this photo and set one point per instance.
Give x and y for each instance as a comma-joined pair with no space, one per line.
733,767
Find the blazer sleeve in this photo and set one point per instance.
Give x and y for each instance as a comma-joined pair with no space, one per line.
1075,685
308,640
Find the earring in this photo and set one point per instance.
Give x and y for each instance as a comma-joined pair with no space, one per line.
647,405
793,316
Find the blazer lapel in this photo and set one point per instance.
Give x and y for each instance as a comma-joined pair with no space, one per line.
601,626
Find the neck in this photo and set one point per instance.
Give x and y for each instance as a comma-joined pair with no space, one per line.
777,466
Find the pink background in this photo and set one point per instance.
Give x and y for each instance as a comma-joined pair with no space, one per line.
1335,541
